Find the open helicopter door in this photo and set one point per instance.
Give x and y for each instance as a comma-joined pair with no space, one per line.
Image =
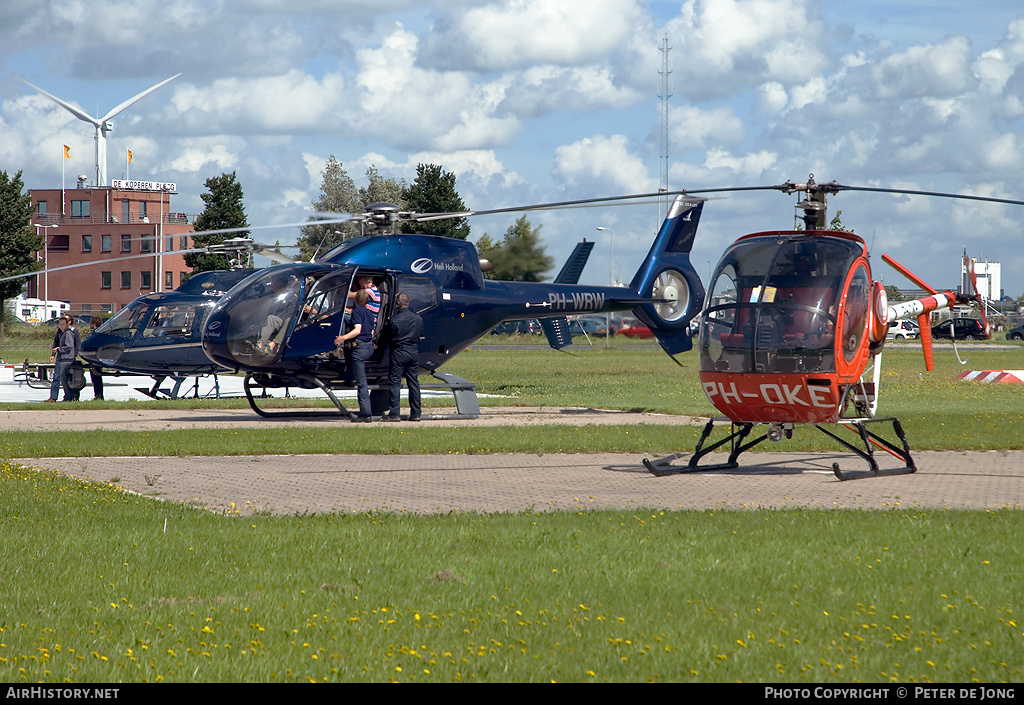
323,314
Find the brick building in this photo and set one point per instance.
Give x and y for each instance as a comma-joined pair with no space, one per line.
127,234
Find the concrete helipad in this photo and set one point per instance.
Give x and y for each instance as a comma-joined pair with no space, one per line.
512,482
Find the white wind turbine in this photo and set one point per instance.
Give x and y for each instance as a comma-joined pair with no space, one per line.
103,124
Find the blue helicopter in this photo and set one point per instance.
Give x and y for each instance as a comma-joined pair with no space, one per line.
279,325
160,334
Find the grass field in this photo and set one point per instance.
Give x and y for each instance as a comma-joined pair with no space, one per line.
99,585
104,586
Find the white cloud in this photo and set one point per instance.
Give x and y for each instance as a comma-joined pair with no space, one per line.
729,43
940,70
515,34
602,165
196,154
693,128
409,105
545,89
771,98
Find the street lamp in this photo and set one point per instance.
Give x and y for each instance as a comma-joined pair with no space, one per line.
611,279
46,271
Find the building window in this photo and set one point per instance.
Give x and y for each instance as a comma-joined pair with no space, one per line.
126,243
147,280
184,242
104,280
168,280
142,211
80,209
105,243
59,243
126,280
169,245
41,208
145,244
126,215
87,243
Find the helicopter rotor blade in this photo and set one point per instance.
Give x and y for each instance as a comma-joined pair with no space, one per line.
93,263
935,194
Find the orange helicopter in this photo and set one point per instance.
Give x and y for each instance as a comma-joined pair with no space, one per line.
791,327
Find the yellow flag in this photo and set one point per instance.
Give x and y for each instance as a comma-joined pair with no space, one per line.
129,156
67,152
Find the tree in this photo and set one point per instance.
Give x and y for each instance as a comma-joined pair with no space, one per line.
892,294
382,190
224,209
18,241
433,191
837,224
520,257
338,194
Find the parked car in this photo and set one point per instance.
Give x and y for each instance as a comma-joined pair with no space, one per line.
1015,333
962,328
589,326
903,330
517,328
636,330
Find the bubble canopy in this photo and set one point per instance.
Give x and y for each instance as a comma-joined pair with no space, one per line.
773,304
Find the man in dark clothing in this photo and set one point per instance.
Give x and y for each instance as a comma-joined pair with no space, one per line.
404,332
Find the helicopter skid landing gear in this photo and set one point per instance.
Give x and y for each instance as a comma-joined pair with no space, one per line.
867,453
295,414
662,466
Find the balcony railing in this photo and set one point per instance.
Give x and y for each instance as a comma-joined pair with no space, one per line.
133,219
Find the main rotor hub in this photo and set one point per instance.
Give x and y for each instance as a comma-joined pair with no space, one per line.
381,215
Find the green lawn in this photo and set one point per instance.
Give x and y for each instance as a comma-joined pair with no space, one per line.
104,586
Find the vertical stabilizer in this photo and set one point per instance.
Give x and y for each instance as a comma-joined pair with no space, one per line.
668,277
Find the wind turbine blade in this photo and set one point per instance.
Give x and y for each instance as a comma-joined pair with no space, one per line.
77,112
137,98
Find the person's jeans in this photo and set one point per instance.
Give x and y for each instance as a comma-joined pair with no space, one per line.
61,378
360,355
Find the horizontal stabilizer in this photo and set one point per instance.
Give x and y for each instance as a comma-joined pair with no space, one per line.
557,330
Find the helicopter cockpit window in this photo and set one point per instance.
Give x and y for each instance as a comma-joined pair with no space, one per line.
170,322
128,320
260,316
773,305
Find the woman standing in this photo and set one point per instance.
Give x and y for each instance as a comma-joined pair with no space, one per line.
362,321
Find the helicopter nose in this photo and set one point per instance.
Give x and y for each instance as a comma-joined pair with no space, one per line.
102,349
215,342
247,329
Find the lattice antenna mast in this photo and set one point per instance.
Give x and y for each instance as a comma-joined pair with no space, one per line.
665,94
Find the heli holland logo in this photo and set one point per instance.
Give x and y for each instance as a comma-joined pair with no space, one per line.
422,265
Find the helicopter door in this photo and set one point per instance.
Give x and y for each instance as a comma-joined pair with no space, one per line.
323,314
854,322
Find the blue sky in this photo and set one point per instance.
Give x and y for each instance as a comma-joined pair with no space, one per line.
549,100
